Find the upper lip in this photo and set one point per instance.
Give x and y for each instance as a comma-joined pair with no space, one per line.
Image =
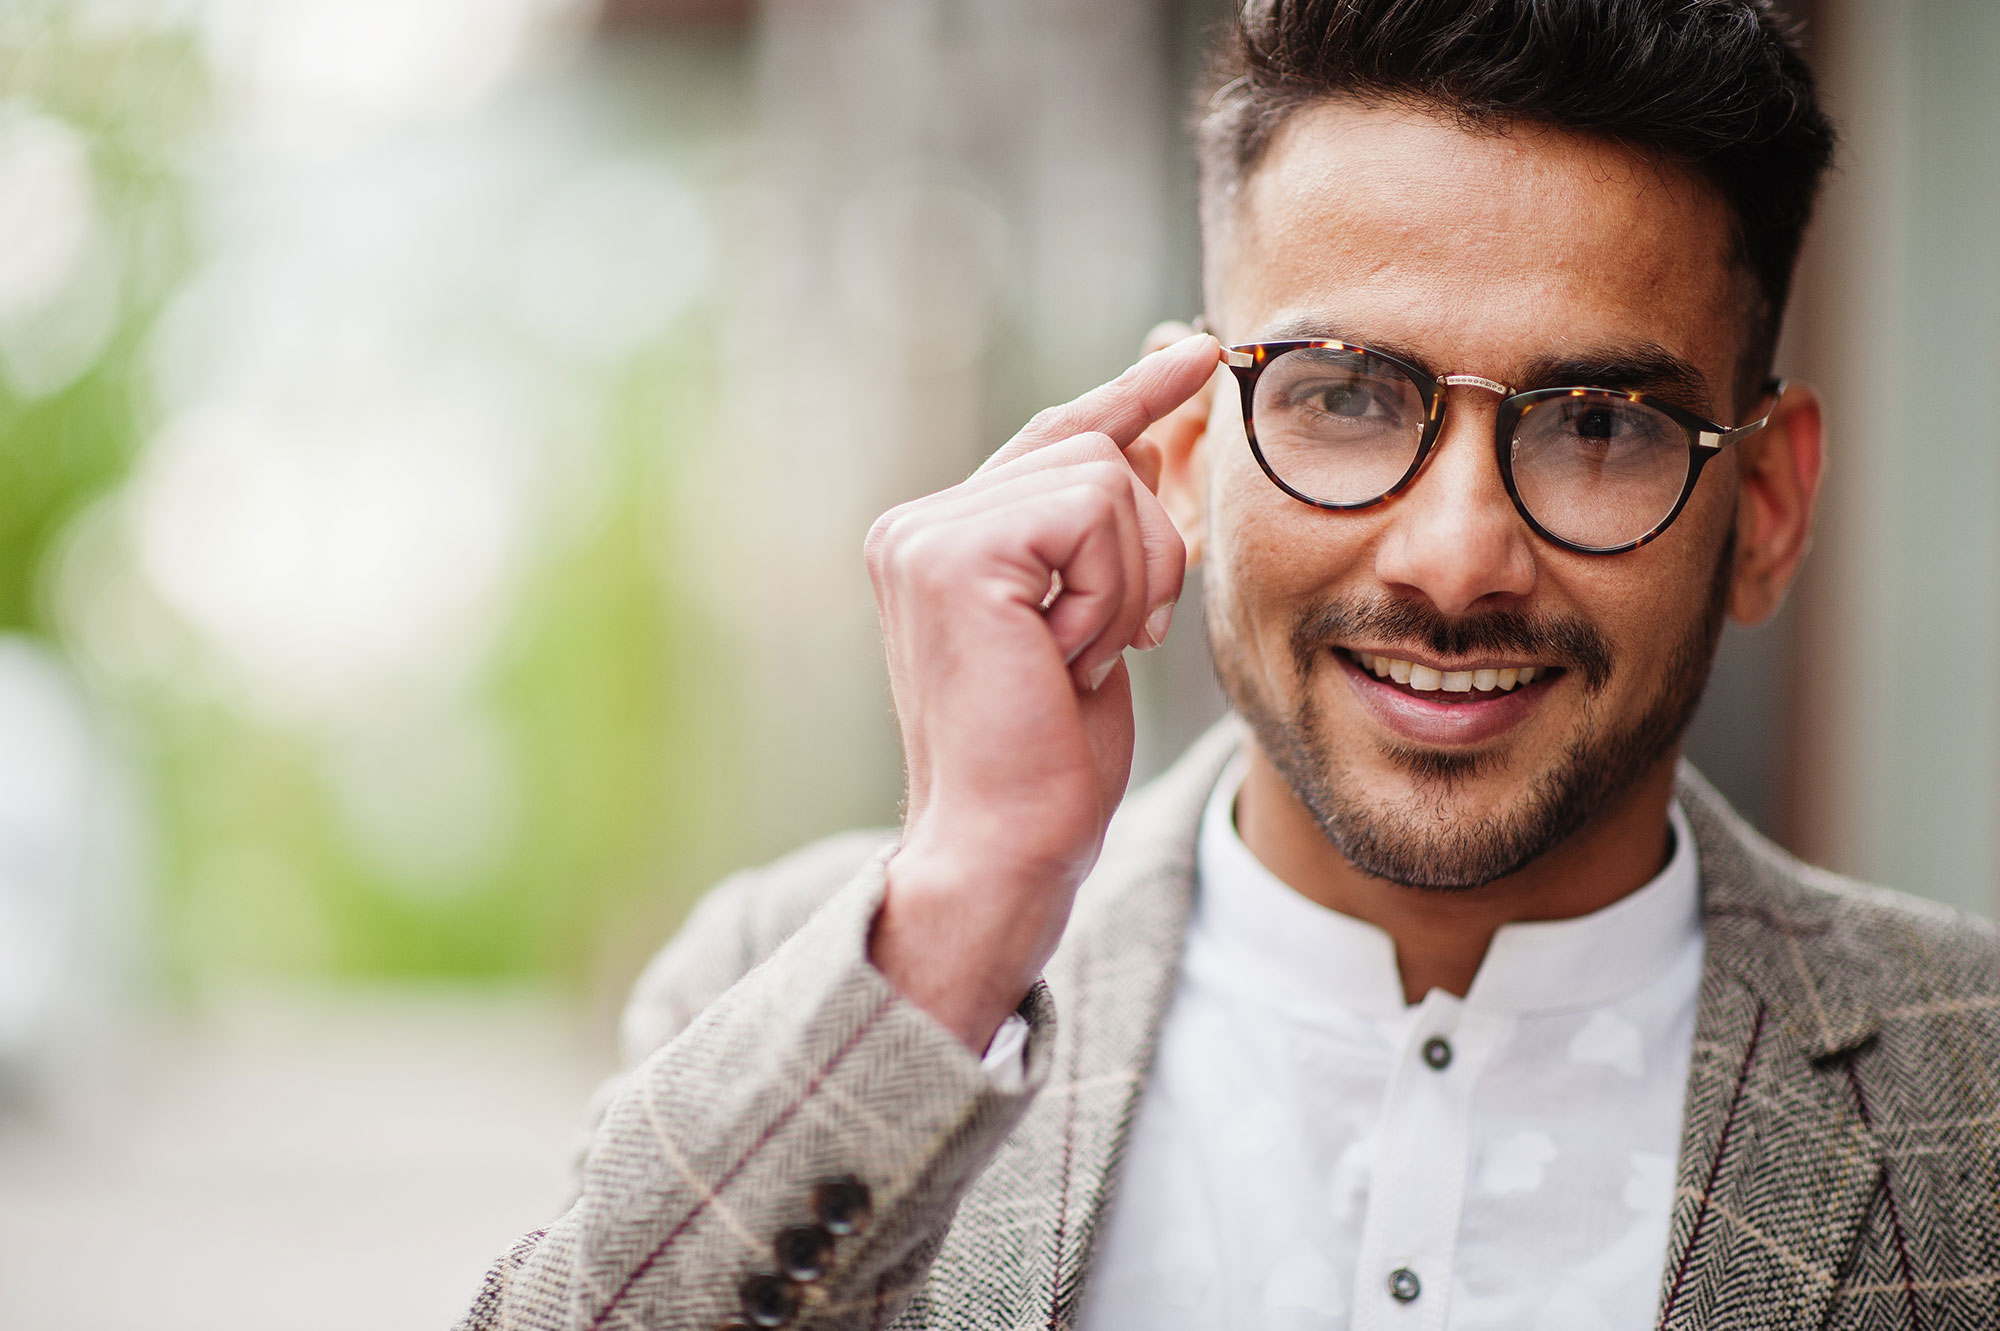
1448,667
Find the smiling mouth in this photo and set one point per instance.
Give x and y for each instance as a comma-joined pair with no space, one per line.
1449,686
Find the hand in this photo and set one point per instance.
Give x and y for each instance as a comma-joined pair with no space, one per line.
1017,719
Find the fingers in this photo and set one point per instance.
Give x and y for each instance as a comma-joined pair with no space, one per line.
1120,558
1123,408
1156,547
1088,531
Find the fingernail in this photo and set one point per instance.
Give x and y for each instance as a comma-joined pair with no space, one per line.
1189,341
1101,672
1157,623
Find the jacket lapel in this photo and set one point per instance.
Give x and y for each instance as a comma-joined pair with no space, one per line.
1777,1169
1017,1251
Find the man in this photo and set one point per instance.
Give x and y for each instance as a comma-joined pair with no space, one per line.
1429,994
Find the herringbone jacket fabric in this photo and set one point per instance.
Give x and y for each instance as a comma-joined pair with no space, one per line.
1839,1163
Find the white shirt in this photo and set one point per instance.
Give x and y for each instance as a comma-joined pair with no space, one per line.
1294,1149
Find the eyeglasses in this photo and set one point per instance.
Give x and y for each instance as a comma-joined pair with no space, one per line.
1595,470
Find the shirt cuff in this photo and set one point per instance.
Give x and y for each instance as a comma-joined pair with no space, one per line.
1005,1063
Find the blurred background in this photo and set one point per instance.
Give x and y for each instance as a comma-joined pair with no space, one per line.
436,438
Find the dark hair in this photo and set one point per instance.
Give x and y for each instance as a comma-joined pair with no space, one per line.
1719,87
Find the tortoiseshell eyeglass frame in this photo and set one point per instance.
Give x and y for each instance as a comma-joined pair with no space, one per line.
1705,438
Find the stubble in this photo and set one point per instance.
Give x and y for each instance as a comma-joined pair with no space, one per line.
1424,840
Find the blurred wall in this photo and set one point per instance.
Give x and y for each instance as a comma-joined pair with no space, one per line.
1893,756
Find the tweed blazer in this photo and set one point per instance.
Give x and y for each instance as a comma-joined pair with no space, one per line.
1839,1162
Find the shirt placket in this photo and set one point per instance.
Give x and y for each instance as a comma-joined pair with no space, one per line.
1417,1188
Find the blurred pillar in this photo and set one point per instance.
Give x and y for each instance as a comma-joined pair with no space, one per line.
71,873
1896,756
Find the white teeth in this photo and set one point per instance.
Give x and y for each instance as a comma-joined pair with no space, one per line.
1428,679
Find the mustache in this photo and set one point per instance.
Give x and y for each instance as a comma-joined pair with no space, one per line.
1565,640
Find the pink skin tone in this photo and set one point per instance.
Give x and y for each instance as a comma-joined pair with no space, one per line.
1477,252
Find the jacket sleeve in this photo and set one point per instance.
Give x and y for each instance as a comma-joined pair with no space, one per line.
791,1155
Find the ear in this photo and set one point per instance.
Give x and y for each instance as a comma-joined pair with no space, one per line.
1167,455
1778,471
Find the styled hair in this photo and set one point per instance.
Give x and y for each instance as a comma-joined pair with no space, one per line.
1717,87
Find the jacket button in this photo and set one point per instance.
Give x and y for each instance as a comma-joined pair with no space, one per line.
803,1251
1404,1285
1437,1053
842,1205
768,1300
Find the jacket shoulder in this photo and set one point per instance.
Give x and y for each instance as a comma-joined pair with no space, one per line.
736,925
1918,953
1864,949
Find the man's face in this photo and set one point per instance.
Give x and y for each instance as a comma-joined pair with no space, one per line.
1480,254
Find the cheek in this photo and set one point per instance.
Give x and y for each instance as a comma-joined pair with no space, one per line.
1269,555
1650,604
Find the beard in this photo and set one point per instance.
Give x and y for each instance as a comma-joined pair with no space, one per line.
1422,841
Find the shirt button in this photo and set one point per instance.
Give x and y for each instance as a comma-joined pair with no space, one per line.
1404,1285
1437,1053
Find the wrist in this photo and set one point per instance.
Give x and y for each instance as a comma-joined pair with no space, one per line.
964,943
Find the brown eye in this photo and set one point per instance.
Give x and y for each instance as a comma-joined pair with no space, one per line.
1594,423
1350,399
1597,468
1337,425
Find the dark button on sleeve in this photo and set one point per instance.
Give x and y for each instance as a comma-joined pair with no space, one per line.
803,1251
1437,1052
769,1299
1404,1285
842,1205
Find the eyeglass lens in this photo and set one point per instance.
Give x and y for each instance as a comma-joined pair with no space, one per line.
1340,426
1345,427
1598,469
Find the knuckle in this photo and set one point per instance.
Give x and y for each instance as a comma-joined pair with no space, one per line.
1099,447
885,535
1049,421
877,539
926,561
1095,503
1111,477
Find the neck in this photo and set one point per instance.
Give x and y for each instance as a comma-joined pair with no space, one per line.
1441,937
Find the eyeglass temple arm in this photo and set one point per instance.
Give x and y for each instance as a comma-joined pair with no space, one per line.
1241,360
1723,438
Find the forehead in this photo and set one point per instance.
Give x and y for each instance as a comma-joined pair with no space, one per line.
1480,250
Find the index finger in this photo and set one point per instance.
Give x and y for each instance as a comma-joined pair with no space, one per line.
1128,404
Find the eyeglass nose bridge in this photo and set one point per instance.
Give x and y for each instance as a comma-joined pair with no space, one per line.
1475,381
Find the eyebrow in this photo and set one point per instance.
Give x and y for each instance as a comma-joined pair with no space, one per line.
1636,367
1640,368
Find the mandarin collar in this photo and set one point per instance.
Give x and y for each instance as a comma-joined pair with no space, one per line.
1313,955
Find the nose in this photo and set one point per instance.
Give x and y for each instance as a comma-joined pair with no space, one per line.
1454,536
